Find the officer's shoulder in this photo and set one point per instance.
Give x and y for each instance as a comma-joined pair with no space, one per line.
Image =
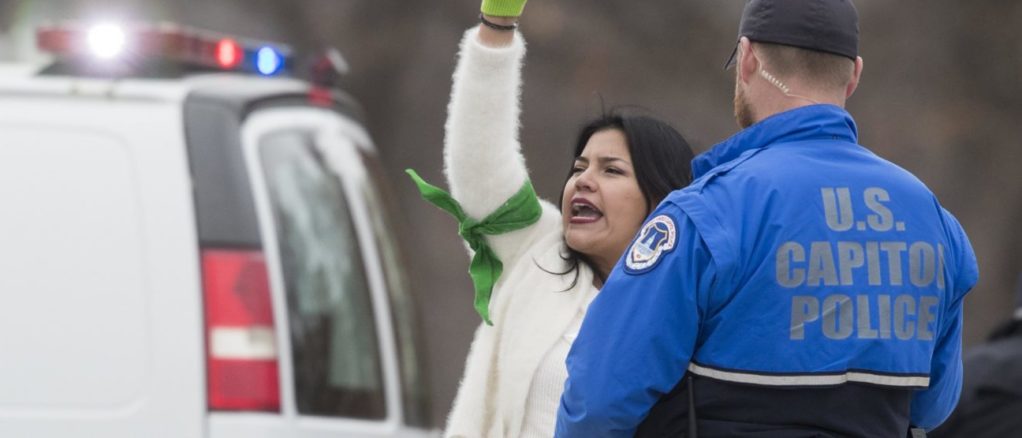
672,203
725,174
655,240
902,175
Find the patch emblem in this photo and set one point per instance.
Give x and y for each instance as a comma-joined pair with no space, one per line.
656,238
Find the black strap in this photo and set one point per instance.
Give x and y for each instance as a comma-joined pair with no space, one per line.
693,430
495,26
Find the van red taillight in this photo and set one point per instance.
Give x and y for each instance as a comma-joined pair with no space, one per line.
241,350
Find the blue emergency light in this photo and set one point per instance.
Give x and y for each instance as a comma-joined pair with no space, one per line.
269,61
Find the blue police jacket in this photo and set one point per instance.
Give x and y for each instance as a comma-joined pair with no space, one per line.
805,281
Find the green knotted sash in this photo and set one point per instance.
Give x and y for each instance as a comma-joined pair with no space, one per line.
520,211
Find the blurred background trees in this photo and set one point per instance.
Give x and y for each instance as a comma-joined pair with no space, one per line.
941,96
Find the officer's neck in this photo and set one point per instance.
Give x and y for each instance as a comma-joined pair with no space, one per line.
773,101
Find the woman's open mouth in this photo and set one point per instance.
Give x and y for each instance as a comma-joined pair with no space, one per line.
584,212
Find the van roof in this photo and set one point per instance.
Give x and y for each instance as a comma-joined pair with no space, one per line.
24,80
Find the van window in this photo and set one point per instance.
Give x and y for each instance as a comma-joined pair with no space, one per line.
414,388
333,334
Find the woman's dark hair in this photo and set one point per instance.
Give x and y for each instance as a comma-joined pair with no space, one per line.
661,159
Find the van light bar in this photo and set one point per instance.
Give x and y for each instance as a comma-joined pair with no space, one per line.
168,43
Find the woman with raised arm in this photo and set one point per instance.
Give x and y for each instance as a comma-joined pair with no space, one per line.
541,264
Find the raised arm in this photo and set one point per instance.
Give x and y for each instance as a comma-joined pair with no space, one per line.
498,212
482,155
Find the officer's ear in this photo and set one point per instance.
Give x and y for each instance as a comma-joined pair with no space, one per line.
856,74
748,62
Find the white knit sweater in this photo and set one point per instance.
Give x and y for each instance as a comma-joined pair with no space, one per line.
532,310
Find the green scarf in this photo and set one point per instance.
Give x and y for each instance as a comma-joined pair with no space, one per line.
520,211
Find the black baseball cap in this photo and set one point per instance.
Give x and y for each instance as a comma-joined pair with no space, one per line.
830,26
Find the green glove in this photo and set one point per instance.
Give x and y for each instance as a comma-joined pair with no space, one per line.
520,211
503,8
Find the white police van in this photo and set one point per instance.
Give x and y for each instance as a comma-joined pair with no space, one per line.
194,245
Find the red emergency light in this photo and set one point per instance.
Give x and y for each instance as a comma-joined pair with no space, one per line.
228,53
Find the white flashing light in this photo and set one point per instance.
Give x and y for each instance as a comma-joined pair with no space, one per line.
106,40
268,61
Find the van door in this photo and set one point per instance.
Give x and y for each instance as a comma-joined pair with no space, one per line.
100,310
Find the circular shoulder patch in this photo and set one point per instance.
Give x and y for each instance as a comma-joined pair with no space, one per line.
655,239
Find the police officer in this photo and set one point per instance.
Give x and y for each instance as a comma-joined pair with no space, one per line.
801,286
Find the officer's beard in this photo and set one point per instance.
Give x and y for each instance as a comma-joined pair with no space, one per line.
743,111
